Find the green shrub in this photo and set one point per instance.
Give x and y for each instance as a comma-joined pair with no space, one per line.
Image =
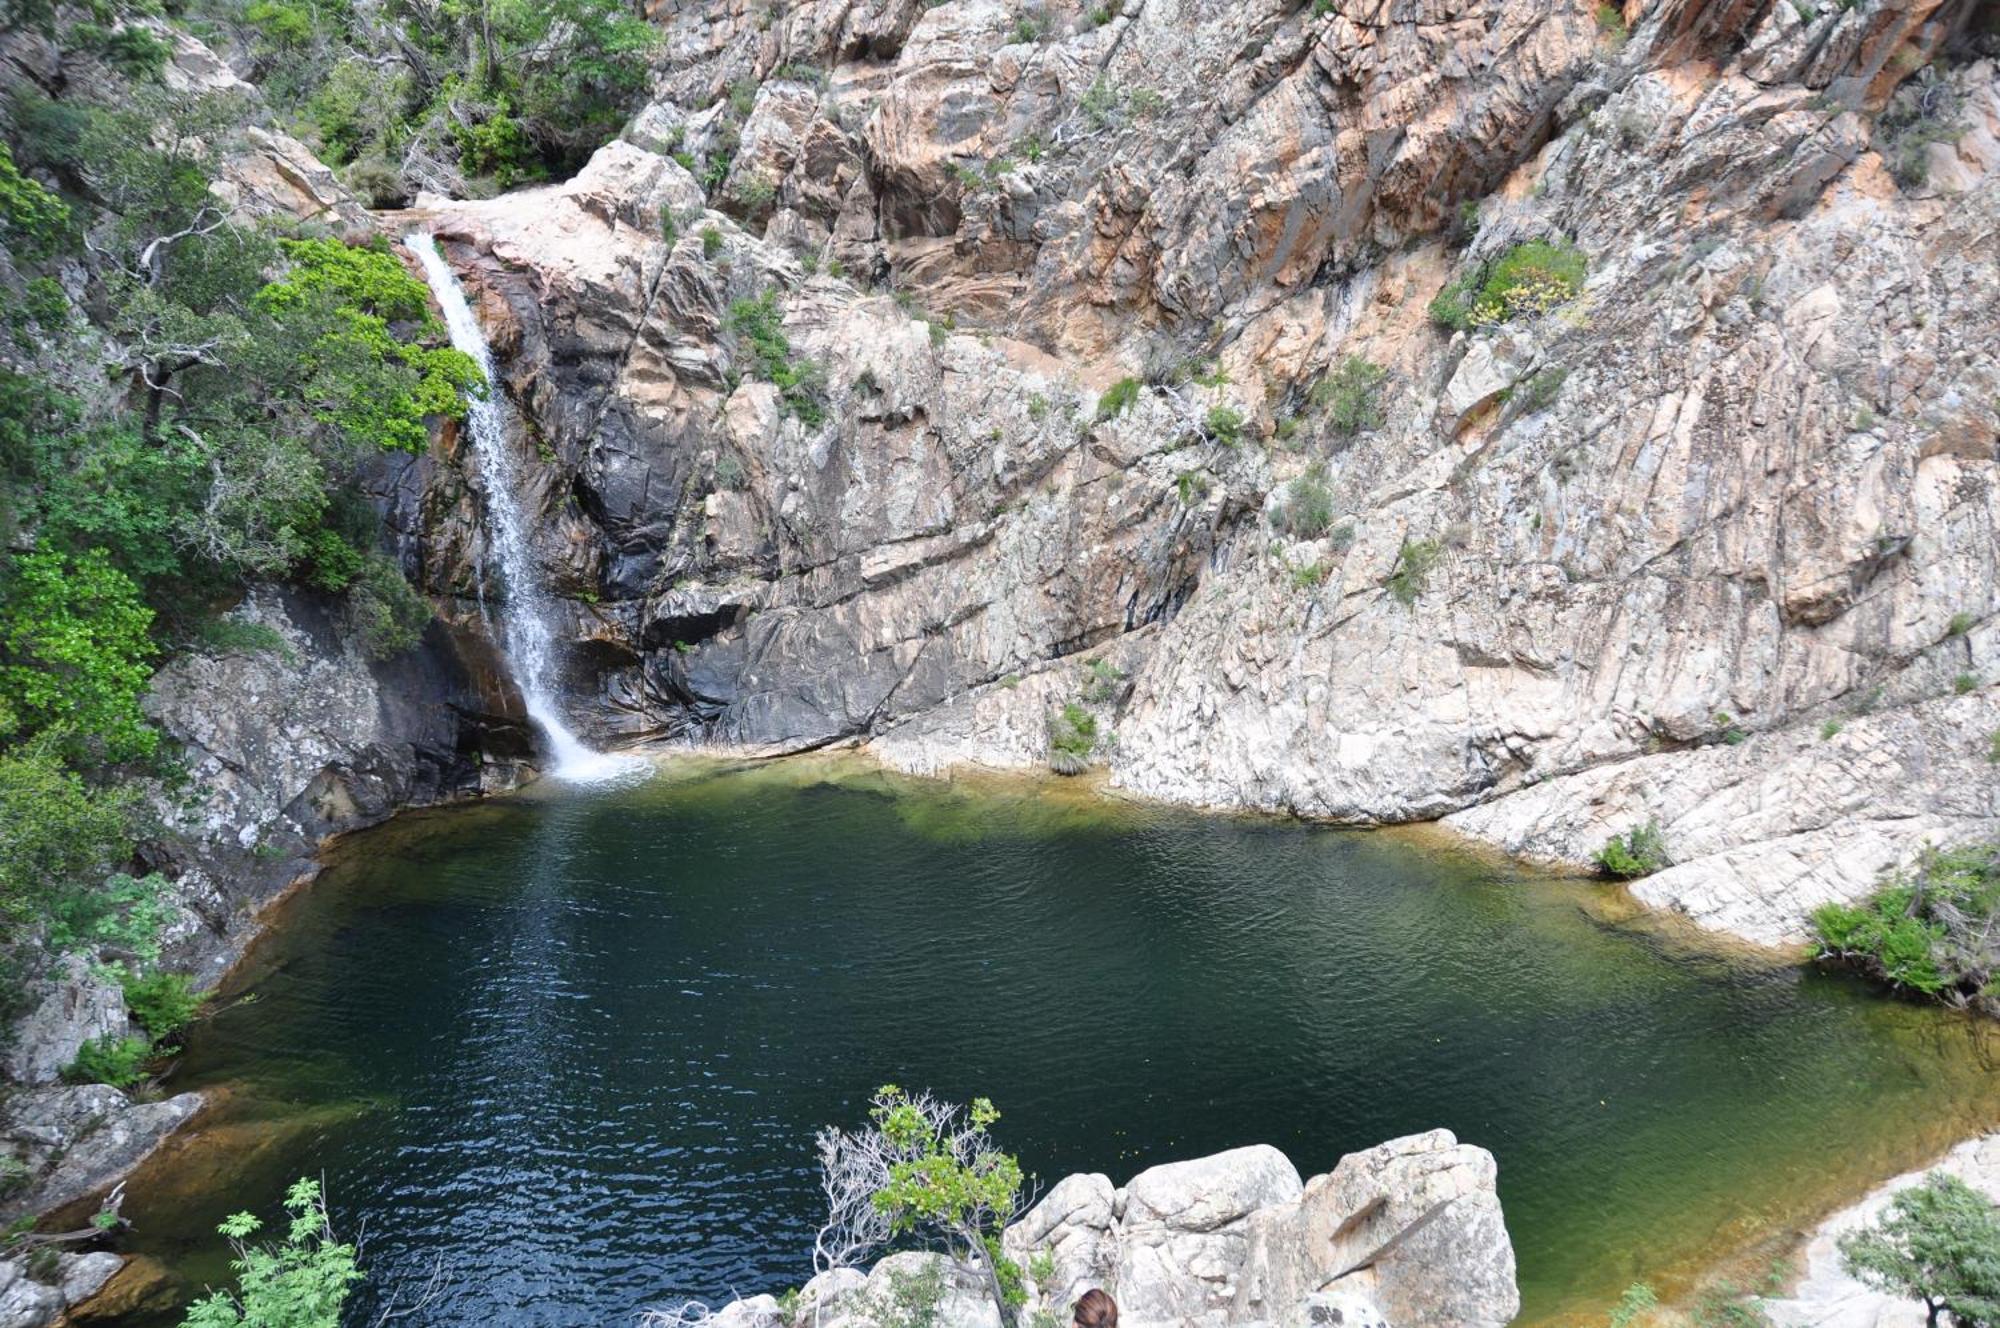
1117,399
1191,485
59,836
1539,391
1965,682
74,647
1640,851
299,1282
1611,22
801,384
1829,730
1307,511
1529,279
161,1003
1308,576
387,613
1961,623
1414,564
1224,424
111,1059
1451,307
711,241
1351,395
1105,678
233,636
1921,113
31,217
1929,931
1072,739
941,1177
1099,103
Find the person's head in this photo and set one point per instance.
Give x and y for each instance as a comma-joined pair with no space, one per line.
1094,1309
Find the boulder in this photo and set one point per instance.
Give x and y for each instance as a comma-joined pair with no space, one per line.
76,1006
1408,1232
24,1302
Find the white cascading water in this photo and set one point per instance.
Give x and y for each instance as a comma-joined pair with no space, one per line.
525,634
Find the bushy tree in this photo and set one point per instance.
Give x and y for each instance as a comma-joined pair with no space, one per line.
58,835
74,651
1939,1242
300,1281
1934,930
922,1167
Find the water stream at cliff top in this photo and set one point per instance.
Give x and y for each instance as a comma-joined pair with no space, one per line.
529,643
575,1044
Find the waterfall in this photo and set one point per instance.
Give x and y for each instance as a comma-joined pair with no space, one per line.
526,639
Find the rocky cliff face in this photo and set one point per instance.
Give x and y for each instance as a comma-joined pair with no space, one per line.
1711,544
1408,1232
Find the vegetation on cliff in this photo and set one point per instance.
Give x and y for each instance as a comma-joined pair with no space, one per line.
407,96
189,400
1933,931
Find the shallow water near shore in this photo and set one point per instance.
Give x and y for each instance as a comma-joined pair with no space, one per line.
572,1047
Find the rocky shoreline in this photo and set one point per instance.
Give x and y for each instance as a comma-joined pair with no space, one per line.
1407,1232
1709,543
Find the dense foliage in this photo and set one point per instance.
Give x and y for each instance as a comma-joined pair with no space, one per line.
300,1281
408,95
1939,1242
1934,931
189,401
1640,851
1527,280
801,383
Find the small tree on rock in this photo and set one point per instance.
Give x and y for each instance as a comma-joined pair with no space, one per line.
926,1168
1939,1242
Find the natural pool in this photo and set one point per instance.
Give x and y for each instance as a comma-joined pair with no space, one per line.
575,1044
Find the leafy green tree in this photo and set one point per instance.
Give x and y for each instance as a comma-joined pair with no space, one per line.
923,1167
1939,1243
300,1281
74,651
58,835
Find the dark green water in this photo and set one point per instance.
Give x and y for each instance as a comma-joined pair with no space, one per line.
575,1045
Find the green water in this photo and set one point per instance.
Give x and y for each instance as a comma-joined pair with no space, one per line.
575,1045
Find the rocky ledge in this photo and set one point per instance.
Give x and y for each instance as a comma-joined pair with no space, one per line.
1407,1233
1003,373
1826,1297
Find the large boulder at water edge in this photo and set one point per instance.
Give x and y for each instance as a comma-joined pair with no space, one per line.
1408,1233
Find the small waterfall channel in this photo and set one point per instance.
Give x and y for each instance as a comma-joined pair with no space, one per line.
524,632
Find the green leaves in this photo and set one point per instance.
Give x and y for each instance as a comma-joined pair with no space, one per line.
800,383
944,1172
1640,851
1927,931
30,216
1939,1242
299,1282
58,836
74,651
